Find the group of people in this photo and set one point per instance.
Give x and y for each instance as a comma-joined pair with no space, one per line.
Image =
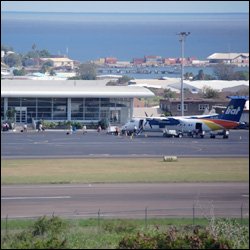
6,127
73,129
133,132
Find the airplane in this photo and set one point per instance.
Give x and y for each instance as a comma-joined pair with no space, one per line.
142,124
195,125
198,125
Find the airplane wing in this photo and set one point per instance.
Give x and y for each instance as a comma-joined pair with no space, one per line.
162,121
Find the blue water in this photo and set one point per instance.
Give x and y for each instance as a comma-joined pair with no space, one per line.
125,36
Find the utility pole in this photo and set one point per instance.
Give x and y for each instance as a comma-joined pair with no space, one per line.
182,36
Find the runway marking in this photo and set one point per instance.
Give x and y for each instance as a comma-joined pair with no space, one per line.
35,197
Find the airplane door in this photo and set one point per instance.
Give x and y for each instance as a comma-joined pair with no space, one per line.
141,124
198,127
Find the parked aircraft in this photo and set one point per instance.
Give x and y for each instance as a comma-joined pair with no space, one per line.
141,124
196,125
199,125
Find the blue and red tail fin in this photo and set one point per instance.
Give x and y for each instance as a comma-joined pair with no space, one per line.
234,109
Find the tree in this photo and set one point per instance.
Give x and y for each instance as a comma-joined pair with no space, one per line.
241,75
52,72
201,75
10,113
44,53
208,92
27,61
33,47
48,63
87,71
20,72
32,54
224,71
188,76
13,60
124,79
168,93
47,66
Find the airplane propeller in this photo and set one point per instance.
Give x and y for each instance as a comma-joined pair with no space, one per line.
147,114
147,122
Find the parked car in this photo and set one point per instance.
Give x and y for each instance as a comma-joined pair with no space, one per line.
172,133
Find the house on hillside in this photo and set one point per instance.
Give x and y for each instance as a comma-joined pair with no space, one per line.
59,62
230,58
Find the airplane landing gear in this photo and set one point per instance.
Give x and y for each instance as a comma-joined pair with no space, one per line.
225,134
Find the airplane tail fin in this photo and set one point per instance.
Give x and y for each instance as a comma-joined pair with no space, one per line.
234,109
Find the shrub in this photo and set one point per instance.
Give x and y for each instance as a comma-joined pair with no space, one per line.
46,233
77,125
104,123
199,238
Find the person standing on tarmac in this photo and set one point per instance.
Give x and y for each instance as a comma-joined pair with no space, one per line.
99,129
135,130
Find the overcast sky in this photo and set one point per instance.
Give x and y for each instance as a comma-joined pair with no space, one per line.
127,6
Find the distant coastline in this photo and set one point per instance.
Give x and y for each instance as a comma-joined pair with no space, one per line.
89,36
136,13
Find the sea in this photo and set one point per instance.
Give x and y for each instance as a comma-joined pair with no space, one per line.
90,36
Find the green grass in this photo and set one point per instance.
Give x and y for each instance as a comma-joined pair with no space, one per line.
123,170
86,234
20,224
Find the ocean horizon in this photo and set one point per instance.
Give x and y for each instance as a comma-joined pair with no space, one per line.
89,36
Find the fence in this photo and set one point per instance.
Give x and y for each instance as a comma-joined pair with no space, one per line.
198,210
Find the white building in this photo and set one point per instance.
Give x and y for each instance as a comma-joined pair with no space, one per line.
59,62
229,58
86,101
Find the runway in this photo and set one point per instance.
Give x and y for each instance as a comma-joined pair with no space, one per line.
60,145
126,200
123,200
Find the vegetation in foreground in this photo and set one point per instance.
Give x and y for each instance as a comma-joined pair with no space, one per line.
57,233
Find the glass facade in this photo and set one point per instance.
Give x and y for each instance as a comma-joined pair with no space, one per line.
59,109
44,109
77,109
116,110
30,104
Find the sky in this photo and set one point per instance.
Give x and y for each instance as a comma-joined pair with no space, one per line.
128,6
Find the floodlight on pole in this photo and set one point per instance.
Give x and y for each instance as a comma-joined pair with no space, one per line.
182,36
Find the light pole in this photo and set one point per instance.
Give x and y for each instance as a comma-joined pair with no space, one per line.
182,36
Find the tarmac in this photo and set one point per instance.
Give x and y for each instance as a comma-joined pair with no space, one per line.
59,144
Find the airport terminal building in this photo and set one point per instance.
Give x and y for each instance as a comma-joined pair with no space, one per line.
86,101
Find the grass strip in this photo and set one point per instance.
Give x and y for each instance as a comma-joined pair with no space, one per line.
110,170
